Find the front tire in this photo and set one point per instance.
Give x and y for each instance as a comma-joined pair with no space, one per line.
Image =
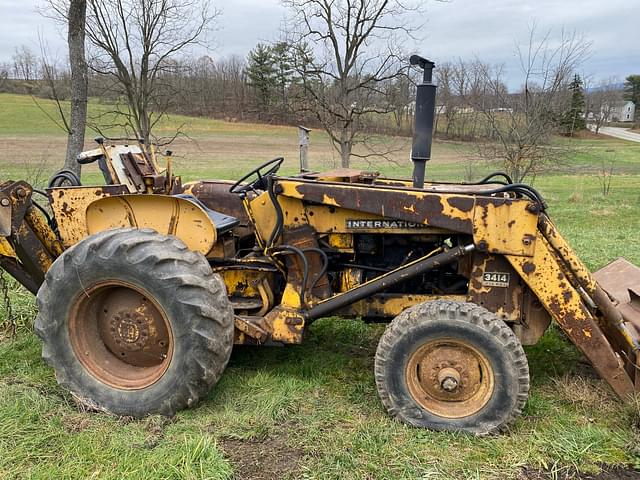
449,365
134,323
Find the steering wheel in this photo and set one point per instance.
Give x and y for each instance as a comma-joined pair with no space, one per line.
263,172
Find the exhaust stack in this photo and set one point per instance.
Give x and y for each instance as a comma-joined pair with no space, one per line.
424,119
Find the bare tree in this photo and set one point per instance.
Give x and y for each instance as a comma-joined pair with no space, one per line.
355,50
71,13
4,75
76,19
601,103
400,93
54,78
25,64
135,43
519,126
447,108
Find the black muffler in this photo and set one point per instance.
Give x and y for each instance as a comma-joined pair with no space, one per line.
425,116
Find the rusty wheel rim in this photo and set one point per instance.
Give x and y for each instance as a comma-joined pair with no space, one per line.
121,335
450,378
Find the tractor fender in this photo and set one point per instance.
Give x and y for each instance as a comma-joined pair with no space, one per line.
166,215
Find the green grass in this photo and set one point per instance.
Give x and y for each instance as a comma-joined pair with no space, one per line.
312,411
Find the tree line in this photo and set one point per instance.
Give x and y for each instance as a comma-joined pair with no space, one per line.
342,68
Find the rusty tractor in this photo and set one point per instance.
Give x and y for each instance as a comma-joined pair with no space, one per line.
144,285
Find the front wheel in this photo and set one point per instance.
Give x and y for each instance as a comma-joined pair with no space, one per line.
451,366
134,323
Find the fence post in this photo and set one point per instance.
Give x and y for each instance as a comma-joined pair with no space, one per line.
303,140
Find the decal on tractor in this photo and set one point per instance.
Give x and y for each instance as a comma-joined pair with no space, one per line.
495,279
356,224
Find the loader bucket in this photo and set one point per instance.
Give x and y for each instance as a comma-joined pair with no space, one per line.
621,280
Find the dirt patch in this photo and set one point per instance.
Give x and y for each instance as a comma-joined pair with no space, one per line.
265,459
607,473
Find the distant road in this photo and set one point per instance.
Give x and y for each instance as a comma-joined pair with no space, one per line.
622,133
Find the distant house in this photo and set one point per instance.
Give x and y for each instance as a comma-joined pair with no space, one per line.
502,110
623,111
464,109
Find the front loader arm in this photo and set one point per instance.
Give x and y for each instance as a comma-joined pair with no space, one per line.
580,307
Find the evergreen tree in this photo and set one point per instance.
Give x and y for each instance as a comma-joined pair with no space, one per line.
283,62
262,74
573,119
632,93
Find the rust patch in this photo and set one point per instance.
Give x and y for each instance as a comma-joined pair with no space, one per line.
67,210
464,204
428,209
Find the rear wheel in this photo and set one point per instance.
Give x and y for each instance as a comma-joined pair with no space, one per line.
134,323
451,366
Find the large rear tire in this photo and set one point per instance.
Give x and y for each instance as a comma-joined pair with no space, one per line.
134,323
449,365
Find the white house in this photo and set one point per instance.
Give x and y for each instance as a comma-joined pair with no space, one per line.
623,111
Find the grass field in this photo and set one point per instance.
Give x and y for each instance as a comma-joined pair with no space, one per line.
312,411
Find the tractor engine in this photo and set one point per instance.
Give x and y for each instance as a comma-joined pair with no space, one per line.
377,254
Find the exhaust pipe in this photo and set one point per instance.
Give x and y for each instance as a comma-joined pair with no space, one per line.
424,119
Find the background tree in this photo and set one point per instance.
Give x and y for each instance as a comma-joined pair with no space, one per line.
400,94
601,101
357,47
632,93
447,101
25,64
4,76
76,18
519,126
283,55
262,77
573,119
136,44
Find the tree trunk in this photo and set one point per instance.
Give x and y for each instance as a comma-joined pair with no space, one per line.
79,79
345,148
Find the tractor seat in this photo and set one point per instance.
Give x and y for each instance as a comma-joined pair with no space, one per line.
223,223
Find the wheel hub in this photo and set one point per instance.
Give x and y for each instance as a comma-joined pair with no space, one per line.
449,378
129,331
120,335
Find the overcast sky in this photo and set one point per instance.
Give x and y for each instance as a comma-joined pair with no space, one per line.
488,29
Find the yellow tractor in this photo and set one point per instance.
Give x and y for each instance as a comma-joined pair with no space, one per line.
144,285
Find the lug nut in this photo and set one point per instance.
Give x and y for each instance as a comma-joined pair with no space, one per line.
4,202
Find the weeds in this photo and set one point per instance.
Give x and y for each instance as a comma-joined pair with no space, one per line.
605,176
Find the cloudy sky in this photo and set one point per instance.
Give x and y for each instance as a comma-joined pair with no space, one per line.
487,29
